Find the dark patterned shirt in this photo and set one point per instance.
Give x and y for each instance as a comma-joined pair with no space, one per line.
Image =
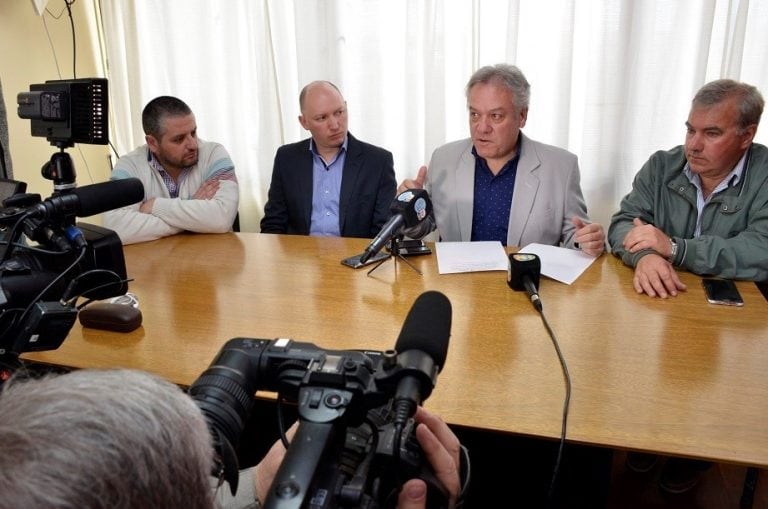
493,199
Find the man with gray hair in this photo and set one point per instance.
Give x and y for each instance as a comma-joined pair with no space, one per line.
189,184
701,207
93,439
501,185
125,438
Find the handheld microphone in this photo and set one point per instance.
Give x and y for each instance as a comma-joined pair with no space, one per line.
408,209
523,274
421,351
91,199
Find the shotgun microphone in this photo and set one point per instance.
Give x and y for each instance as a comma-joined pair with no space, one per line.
422,348
91,199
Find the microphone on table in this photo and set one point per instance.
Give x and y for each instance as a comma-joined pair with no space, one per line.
408,209
422,348
523,274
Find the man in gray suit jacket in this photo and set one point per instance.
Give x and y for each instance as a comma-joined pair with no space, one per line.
331,184
502,185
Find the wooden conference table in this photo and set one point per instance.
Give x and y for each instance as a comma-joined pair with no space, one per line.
677,376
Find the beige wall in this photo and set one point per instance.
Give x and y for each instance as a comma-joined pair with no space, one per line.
26,57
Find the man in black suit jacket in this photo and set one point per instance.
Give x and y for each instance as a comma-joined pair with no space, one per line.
332,183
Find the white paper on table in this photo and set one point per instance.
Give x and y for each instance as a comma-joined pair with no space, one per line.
559,263
453,257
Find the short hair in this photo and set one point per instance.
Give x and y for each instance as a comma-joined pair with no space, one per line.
102,439
303,93
751,102
506,75
157,109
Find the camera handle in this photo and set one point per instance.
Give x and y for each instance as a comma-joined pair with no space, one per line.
320,408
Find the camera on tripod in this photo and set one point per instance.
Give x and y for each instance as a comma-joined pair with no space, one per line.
47,260
355,444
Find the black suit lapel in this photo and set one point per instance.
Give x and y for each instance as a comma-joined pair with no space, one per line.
349,177
305,184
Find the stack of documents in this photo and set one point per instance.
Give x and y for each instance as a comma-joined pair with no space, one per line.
561,264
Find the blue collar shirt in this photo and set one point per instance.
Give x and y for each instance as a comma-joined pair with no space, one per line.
493,199
326,190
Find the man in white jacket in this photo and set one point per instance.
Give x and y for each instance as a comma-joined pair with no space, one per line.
189,184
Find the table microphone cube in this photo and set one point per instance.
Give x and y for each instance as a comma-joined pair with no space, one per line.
523,275
520,265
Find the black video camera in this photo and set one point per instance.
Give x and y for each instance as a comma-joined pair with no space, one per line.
355,444
43,272
39,283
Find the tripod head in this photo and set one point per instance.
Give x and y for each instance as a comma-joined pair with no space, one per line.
61,171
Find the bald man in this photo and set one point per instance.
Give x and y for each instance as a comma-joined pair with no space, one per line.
331,184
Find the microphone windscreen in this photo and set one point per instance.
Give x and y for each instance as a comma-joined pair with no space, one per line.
413,204
110,195
520,265
427,327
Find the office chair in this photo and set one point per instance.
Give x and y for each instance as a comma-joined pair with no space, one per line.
9,187
236,223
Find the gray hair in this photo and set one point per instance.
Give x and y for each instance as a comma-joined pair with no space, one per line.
157,109
506,75
750,101
102,439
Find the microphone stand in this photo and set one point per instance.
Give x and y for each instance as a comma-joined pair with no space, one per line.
394,252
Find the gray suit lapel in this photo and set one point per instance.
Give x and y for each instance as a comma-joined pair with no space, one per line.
526,186
465,192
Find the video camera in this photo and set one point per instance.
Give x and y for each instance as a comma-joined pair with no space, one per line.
40,282
355,444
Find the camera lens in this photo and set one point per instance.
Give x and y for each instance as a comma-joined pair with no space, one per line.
225,395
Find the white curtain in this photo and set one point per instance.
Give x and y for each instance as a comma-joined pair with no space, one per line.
611,80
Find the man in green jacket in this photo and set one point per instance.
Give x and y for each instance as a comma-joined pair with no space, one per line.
702,206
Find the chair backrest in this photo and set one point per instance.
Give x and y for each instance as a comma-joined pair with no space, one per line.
9,187
236,223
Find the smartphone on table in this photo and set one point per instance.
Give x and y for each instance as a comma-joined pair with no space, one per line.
410,247
722,291
354,261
